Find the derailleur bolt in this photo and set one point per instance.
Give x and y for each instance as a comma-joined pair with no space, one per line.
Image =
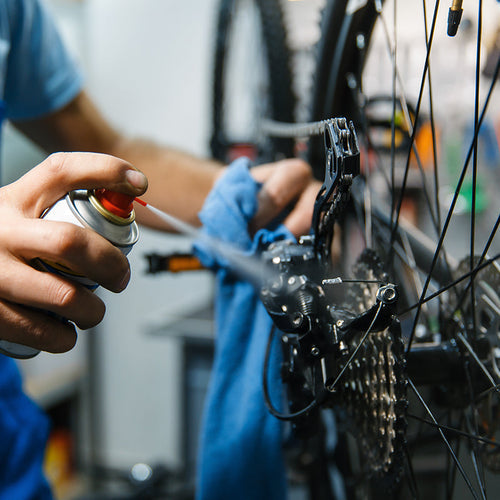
387,294
297,319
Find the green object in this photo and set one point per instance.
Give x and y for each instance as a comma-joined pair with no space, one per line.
481,198
454,164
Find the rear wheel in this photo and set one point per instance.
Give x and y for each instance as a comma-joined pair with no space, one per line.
422,110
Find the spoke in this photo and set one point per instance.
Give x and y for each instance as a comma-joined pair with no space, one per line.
393,52
411,126
472,424
481,259
368,217
331,387
413,265
455,197
446,442
361,219
479,476
452,471
487,392
378,163
455,432
412,482
453,284
433,127
474,168
471,351
434,143
413,133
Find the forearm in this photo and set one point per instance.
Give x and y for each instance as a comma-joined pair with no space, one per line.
178,181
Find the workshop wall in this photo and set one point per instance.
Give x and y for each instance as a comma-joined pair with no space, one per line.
148,68
147,65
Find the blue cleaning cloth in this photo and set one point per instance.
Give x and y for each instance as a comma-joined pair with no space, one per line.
240,454
23,433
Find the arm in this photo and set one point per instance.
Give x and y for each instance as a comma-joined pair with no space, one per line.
178,182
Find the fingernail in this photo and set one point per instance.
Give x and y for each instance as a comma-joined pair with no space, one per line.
125,280
137,179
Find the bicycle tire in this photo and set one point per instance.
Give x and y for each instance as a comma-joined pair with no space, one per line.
331,23
278,87
338,91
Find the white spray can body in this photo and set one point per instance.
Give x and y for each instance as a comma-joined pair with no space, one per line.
108,213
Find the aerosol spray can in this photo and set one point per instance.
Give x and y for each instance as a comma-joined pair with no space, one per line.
108,213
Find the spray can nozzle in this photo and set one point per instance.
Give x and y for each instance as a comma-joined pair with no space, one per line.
119,204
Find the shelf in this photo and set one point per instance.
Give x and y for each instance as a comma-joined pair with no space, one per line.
198,324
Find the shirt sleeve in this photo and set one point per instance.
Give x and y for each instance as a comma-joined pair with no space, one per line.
41,76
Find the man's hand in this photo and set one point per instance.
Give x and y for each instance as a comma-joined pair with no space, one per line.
25,293
284,182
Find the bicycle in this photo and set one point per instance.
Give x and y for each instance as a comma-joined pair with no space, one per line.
406,347
398,336
251,78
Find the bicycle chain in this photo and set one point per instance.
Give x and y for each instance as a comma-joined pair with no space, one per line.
293,130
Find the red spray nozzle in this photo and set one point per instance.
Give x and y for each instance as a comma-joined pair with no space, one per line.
117,203
141,202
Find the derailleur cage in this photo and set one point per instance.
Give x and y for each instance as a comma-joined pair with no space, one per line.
342,165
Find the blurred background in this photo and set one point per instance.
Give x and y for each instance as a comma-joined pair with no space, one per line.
132,390
118,398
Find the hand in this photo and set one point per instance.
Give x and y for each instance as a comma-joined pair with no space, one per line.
25,293
283,182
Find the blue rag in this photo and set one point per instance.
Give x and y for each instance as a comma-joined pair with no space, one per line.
240,453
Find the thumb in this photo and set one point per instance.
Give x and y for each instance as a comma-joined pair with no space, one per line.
42,186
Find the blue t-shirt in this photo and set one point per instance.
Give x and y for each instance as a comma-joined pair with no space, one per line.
37,77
